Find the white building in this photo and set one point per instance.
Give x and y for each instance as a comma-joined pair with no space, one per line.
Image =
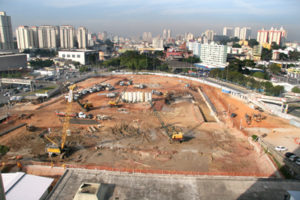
245,33
195,47
66,34
210,35
169,34
237,32
25,186
213,54
81,56
27,37
273,35
48,37
82,38
228,31
6,35
158,43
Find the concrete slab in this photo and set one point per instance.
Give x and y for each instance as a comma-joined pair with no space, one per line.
149,186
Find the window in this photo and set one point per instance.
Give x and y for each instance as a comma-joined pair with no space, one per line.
63,55
73,56
78,56
68,55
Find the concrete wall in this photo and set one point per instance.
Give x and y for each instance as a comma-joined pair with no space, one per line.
12,62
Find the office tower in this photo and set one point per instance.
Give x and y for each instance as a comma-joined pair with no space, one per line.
245,33
210,35
147,37
66,37
189,36
164,36
48,37
82,37
228,31
213,54
169,34
237,32
6,35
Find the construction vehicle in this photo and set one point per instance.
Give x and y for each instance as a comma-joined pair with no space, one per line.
248,119
60,149
175,135
116,102
30,128
86,106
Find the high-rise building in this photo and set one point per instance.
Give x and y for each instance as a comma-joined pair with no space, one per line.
273,35
210,35
237,32
245,33
164,36
48,37
213,54
157,43
169,34
195,47
189,36
228,31
262,36
27,37
6,35
82,37
147,36
66,34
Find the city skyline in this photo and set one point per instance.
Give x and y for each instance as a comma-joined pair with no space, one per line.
133,18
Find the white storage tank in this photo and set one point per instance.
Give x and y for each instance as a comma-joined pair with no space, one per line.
129,97
134,97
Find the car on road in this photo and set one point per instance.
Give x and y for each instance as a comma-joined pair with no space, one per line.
281,148
293,158
288,154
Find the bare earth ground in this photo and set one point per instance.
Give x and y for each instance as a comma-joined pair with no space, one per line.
134,138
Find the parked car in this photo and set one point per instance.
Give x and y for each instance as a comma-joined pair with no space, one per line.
293,158
297,161
288,154
81,115
281,148
90,116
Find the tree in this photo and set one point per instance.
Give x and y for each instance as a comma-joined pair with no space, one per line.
236,45
252,43
277,90
260,75
266,54
274,46
296,89
283,56
274,68
294,55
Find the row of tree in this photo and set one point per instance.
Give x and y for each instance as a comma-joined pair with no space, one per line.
133,60
246,81
38,63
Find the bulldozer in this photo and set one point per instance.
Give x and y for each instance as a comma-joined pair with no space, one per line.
87,106
116,102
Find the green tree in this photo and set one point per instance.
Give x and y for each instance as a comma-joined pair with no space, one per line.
274,46
277,90
294,55
260,75
274,68
283,56
296,89
266,54
252,43
236,45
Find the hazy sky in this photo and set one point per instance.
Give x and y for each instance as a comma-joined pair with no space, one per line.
132,17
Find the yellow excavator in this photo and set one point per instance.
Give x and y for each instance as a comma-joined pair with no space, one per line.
116,102
54,148
175,135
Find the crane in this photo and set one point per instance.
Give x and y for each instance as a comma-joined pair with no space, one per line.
176,135
55,148
115,103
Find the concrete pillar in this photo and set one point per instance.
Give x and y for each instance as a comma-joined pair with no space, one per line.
286,108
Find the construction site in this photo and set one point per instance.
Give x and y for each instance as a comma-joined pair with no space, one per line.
140,122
